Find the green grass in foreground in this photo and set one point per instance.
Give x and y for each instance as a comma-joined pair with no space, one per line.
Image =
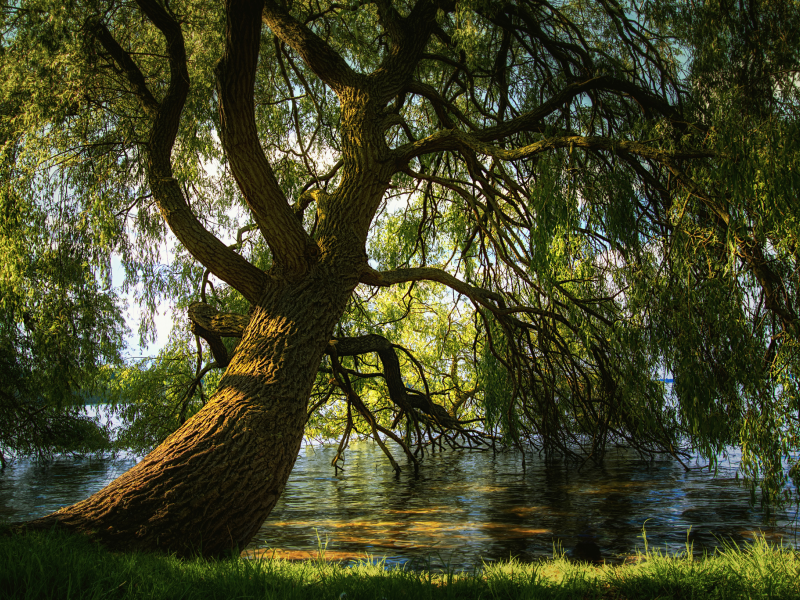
57,565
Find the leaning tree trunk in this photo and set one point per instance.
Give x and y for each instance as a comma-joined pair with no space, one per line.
209,486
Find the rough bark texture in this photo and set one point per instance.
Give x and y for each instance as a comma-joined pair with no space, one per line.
210,485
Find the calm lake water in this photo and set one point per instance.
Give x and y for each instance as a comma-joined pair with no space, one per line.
464,508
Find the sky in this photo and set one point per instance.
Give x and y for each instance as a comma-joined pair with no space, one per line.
133,313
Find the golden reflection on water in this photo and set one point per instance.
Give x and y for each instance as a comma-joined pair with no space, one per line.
470,507
770,534
328,555
422,511
526,511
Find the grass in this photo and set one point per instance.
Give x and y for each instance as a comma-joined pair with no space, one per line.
56,565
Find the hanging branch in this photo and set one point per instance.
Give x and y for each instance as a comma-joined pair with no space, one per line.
212,324
354,399
343,442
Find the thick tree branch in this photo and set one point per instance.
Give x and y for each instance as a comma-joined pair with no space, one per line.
390,20
531,121
492,301
399,394
166,114
326,63
221,324
218,349
291,246
388,278
454,139
587,142
410,36
128,66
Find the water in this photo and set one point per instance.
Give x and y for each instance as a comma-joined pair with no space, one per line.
464,508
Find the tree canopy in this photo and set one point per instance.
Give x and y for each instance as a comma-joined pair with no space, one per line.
533,212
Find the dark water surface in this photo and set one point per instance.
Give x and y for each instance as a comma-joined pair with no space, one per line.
464,508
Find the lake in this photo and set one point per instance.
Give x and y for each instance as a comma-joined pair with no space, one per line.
465,507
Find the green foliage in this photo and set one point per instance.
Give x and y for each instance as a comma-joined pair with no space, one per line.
57,329
58,323
152,398
496,379
729,326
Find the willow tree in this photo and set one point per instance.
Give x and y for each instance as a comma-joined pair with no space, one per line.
557,174
59,325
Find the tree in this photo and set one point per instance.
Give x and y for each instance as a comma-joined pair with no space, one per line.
58,327
50,362
556,186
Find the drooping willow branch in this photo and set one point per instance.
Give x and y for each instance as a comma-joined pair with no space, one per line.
165,117
212,325
343,380
554,396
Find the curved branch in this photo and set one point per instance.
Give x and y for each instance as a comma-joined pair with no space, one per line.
343,381
218,349
439,103
587,142
128,66
236,75
454,139
317,180
531,121
201,243
389,278
492,301
404,398
323,60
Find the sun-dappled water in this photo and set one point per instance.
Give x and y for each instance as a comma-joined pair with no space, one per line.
465,507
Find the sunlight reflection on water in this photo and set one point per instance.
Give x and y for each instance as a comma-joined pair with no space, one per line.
464,508
470,506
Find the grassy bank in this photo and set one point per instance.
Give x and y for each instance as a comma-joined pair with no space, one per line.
56,565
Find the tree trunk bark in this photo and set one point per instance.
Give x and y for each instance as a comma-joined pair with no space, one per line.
208,488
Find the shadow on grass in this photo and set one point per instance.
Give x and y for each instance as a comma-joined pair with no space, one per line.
57,565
